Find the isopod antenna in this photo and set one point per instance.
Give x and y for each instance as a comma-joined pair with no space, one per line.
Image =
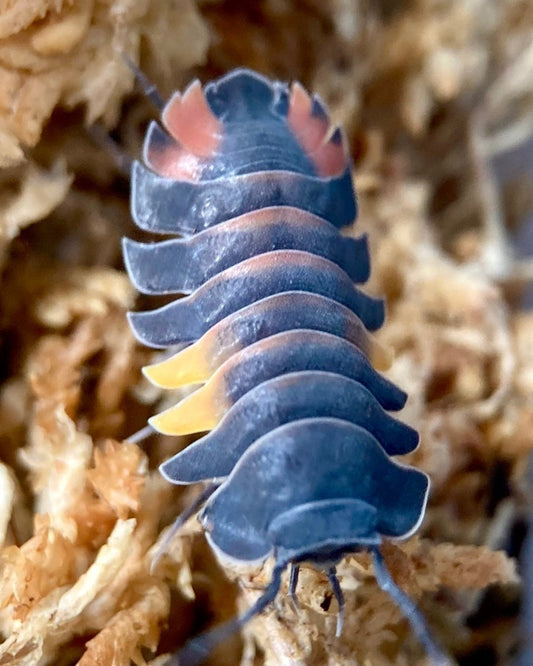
409,609
101,136
149,89
198,649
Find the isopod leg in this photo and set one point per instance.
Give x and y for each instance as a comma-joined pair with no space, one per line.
140,435
339,596
198,649
293,583
410,610
181,520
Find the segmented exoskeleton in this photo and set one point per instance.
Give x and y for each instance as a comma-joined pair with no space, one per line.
255,181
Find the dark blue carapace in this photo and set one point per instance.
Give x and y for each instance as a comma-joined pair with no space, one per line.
254,183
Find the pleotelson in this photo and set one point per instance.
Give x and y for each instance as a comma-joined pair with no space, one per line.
255,185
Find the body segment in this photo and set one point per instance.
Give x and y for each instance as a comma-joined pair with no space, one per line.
307,461
291,351
280,400
185,264
187,319
281,312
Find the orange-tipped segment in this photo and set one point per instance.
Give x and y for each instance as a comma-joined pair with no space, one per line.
192,365
173,162
197,363
331,157
199,412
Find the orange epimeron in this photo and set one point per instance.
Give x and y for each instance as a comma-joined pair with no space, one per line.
200,411
171,161
189,366
331,157
268,316
191,122
309,130
325,146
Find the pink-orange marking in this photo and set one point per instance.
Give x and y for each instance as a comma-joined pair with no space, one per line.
190,121
330,159
172,161
309,130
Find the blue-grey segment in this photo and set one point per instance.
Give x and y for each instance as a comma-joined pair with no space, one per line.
295,351
165,205
183,265
287,270
281,400
329,525
290,310
310,461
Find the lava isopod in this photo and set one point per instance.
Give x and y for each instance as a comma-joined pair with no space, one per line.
254,184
